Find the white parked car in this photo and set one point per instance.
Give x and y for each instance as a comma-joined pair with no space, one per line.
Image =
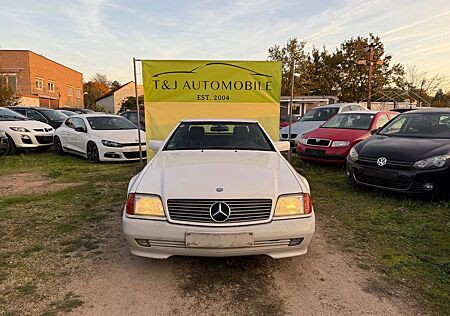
23,133
316,117
99,137
218,188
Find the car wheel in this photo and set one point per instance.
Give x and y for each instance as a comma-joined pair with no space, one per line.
92,152
11,150
57,146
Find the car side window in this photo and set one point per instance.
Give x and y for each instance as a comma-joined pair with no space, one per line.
35,115
382,119
78,122
355,108
69,123
345,109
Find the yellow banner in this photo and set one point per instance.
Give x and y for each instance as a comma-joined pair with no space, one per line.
178,89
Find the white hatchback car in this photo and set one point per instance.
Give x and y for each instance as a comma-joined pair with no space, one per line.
23,133
218,188
99,137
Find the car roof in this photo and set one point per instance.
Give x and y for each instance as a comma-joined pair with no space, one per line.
428,110
186,120
335,105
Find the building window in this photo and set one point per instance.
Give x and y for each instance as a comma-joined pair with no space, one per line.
39,83
51,86
78,93
10,80
69,91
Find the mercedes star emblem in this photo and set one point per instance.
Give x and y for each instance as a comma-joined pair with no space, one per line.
219,212
381,161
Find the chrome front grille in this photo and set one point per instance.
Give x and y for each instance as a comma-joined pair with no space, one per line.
197,210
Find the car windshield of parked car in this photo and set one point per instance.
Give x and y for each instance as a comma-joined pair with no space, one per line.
350,121
322,114
110,123
424,125
68,113
219,135
8,115
54,115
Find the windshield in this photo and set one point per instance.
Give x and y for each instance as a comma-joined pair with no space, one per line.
319,114
110,123
350,121
8,115
219,135
54,115
429,125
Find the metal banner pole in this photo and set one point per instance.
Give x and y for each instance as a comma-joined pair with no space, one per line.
290,110
138,112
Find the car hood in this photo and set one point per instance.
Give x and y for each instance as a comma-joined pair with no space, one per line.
28,124
300,127
119,136
403,148
337,134
197,174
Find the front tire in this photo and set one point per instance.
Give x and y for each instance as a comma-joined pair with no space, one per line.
92,153
11,150
57,146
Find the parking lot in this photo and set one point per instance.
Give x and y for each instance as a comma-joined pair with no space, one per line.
63,251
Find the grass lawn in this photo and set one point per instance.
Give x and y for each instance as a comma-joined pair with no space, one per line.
47,236
406,239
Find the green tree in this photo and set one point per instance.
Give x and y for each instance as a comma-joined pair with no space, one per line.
293,50
130,103
337,73
8,95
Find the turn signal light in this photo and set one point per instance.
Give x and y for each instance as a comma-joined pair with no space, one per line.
307,203
130,204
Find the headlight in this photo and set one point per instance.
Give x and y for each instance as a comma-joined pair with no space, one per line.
353,154
109,143
340,143
145,205
432,162
302,140
293,205
20,129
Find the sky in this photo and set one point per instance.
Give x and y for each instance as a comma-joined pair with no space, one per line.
102,36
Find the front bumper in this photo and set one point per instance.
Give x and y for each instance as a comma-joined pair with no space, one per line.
31,140
167,239
411,181
332,155
129,153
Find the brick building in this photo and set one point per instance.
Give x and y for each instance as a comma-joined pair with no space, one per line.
40,81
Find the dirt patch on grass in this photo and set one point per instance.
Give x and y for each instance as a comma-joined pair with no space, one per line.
28,184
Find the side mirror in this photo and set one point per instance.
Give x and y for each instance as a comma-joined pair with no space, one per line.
80,129
374,131
283,146
155,144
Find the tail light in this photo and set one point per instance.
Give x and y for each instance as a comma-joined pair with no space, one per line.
130,204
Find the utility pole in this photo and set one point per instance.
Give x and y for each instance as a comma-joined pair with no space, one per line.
372,62
369,92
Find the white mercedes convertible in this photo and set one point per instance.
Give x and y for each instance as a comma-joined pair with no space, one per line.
218,188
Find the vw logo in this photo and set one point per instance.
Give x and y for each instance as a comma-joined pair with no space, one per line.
381,161
219,212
